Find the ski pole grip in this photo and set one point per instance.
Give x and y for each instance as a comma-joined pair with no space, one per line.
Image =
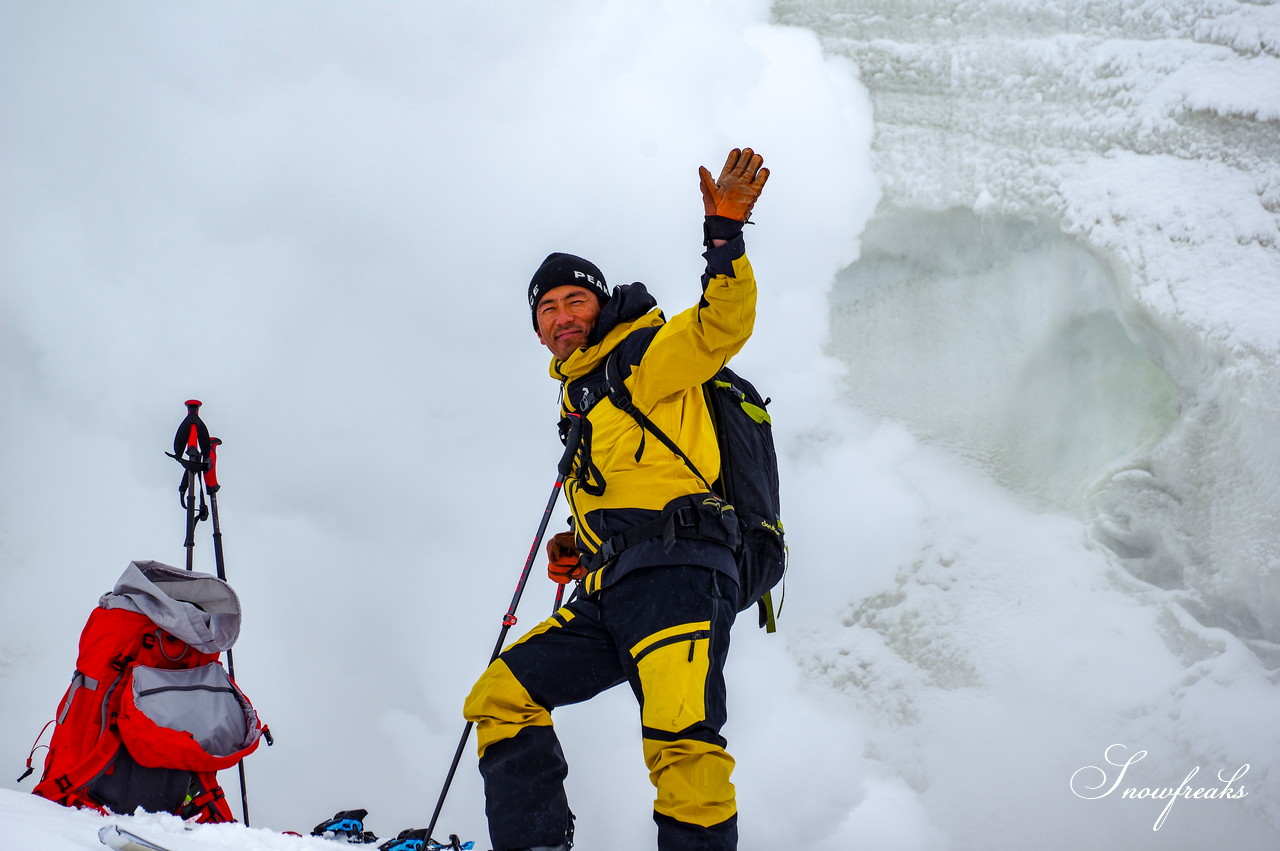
211,475
192,434
570,444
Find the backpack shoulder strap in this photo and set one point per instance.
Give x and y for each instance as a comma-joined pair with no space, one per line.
580,396
616,369
584,393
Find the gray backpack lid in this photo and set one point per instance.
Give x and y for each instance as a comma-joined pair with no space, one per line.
197,608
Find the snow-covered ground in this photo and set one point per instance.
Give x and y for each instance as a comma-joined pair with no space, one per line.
1019,317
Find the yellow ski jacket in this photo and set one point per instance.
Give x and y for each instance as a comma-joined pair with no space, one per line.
640,475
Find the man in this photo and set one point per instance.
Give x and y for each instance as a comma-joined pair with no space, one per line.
651,546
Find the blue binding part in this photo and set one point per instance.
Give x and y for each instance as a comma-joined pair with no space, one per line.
421,845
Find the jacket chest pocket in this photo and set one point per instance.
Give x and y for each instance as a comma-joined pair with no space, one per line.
672,666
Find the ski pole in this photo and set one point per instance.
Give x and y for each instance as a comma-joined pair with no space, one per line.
509,619
211,484
201,466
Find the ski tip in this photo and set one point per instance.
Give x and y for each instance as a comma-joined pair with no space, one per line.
109,836
114,836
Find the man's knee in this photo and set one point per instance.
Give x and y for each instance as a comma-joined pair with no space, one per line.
692,779
501,707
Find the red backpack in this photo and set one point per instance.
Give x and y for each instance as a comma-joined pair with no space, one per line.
151,715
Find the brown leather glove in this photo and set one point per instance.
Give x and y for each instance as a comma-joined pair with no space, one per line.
735,192
565,566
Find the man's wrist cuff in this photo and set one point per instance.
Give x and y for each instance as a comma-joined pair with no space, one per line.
720,227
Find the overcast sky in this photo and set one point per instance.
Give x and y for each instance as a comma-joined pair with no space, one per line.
320,219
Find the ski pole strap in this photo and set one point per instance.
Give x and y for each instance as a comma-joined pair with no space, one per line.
188,490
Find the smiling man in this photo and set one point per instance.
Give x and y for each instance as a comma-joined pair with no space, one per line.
652,548
566,294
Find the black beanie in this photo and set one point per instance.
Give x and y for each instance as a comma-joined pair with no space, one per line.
560,270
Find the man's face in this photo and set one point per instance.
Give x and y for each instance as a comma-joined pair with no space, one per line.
565,317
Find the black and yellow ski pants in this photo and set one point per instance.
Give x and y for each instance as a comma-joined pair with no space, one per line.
665,630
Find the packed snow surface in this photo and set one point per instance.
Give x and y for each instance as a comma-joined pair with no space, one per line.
1019,316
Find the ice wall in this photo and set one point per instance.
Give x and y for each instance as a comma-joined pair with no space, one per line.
1074,272
998,337
1071,283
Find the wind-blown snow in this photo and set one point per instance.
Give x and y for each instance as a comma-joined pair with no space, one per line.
1018,266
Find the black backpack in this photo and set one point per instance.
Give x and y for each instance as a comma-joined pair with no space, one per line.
748,467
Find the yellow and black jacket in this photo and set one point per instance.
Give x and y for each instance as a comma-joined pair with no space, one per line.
621,479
